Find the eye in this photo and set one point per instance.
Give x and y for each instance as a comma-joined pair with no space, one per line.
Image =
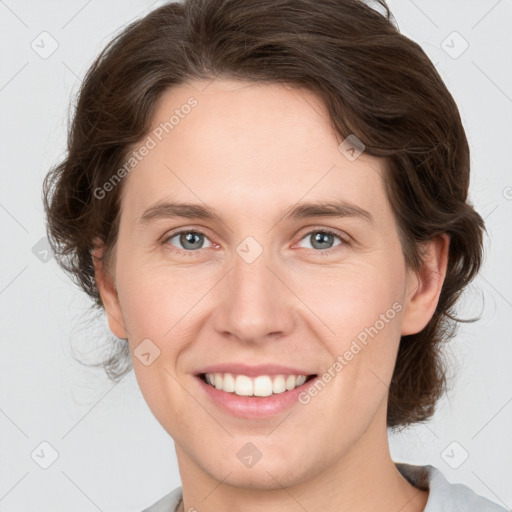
322,240
188,240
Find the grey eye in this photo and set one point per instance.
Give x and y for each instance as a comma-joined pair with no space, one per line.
189,240
321,239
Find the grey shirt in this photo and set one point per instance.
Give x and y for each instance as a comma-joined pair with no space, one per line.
443,496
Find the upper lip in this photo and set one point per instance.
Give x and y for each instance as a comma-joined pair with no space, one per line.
254,371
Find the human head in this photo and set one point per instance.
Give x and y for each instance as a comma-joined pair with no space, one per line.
373,82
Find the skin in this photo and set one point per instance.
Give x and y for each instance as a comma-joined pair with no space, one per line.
251,151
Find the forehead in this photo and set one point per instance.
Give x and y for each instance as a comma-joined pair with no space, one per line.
248,146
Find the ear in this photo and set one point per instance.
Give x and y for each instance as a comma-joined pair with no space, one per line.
108,292
424,286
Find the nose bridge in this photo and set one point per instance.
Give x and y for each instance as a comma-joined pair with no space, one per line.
252,303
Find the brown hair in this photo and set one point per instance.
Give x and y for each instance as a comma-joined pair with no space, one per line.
376,84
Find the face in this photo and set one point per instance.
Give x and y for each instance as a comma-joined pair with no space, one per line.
263,287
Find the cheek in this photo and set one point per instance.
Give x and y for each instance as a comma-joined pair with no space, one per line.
360,308
158,304
154,297
155,304
353,296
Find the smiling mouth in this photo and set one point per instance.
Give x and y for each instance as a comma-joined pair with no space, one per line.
260,386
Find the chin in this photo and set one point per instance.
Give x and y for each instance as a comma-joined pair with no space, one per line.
271,471
262,478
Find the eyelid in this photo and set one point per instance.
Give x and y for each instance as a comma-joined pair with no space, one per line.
325,229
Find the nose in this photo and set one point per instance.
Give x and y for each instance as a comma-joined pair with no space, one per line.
254,303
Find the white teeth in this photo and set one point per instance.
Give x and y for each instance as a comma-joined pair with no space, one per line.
262,385
290,382
279,385
243,385
229,383
300,380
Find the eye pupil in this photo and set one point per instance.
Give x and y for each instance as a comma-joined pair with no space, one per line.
321,237
188,238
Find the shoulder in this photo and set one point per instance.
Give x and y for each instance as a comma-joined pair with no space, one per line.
168,503
443,495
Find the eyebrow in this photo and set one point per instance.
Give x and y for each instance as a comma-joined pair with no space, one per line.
335,209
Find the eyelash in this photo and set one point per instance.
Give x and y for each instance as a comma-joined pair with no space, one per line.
344,240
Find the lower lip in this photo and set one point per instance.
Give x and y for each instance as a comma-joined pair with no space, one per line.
254,407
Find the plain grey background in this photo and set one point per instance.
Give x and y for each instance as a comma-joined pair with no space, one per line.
103,448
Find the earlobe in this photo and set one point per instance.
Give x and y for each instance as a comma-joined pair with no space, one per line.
424,287
108,292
